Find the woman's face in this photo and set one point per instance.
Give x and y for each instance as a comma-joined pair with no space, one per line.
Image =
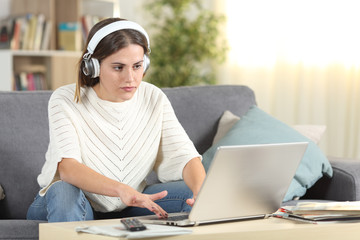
121,74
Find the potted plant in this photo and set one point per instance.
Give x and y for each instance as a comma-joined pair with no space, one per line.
186,43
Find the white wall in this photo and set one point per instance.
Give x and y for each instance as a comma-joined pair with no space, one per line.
4,8
133,11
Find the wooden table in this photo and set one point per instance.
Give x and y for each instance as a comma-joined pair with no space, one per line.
271,228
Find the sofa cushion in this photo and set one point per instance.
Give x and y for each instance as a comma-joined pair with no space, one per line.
313,132
228,119
19,229
25,137
258,127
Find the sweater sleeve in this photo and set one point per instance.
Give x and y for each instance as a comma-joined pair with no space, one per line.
63,138
176,149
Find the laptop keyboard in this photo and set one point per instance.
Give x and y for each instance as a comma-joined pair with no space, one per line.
178,217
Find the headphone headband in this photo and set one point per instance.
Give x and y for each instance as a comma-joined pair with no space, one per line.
112,27
90,65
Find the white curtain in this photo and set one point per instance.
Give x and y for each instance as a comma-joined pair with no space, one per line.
302,59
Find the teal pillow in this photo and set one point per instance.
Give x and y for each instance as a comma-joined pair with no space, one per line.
258,127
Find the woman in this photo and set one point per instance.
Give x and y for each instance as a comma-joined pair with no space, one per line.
117,130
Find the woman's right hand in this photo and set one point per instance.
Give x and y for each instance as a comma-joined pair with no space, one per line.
131,197
83,177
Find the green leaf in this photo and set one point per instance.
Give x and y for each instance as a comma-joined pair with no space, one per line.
185,47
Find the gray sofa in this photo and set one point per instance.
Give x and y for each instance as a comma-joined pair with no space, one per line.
24,139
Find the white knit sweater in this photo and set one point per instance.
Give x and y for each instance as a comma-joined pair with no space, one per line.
123,141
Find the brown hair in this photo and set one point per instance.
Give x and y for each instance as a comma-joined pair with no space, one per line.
107,46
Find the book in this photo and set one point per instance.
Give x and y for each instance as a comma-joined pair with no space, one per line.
5,33
39,32
69,36
30,37
322,212
45,42
23,81
30,81
15,41
25,32
17,82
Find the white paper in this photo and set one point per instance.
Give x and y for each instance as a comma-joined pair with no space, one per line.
119,231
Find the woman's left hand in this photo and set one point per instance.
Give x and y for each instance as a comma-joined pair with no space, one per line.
190,201
194,175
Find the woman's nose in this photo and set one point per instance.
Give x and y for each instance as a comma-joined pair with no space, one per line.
130,75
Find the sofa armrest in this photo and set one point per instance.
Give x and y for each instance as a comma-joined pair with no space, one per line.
343,186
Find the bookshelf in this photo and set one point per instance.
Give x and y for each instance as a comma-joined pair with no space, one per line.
50,66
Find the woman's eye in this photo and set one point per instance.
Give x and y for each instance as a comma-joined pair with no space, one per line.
118,68
137,66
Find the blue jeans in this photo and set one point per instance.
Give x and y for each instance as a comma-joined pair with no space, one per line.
64,202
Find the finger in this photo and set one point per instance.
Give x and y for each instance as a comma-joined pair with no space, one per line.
190,202
157,196
161,213
149,204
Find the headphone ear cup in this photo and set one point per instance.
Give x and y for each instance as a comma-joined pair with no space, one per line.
96,67
91,67
146,63
87,68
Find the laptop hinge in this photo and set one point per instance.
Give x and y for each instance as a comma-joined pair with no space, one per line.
268,215
196,223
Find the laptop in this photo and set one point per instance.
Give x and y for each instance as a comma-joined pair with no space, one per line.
243,182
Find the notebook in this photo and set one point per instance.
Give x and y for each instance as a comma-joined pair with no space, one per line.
243,182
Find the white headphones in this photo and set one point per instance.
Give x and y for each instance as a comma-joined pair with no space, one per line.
91,66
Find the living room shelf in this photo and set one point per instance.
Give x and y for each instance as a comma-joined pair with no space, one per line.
43,53
57,67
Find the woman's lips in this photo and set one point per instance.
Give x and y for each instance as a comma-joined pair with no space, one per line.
128,89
